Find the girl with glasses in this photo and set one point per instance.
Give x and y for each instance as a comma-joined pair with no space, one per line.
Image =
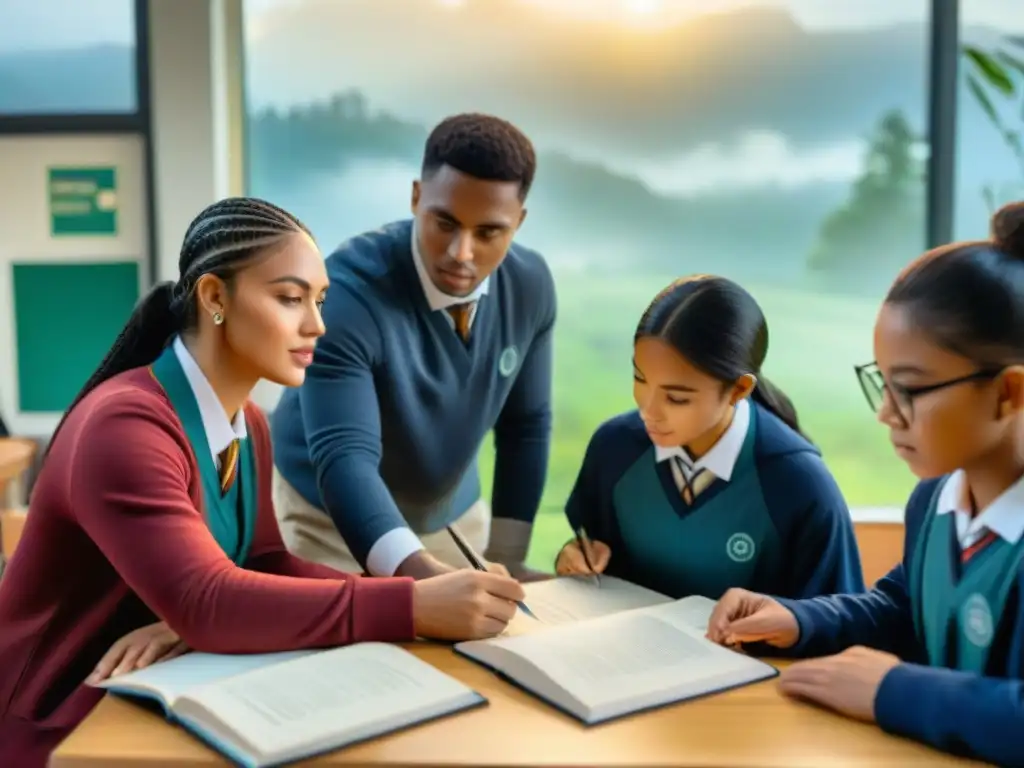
935,651
709,484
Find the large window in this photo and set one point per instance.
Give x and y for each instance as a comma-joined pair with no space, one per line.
777,143
990,114
67,57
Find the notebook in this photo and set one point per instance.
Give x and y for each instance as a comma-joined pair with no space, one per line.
270,709
569,599
607,667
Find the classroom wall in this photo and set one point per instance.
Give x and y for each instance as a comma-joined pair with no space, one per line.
63,297
197,94
196,99
182,94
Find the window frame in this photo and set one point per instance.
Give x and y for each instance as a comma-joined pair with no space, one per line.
134,122
940,89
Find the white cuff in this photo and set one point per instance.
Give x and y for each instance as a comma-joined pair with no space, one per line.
391,550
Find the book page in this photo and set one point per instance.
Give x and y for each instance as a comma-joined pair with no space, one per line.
620,663
694,612
167,680
569,599
628,653
294,705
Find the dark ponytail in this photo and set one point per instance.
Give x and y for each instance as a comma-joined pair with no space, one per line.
219,241
719,328
154,320
770,397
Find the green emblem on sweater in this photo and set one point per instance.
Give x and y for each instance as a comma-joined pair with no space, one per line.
976,620
740,547
507,361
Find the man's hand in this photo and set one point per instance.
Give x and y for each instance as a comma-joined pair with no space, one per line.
422,565
497,568
524,574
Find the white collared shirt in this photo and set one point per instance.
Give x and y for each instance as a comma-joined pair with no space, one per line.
391,549
720,461
220,431
1004,517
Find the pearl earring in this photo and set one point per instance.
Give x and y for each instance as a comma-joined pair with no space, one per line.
218,318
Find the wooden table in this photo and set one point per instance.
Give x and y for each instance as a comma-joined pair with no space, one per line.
15,459
752,726
16,456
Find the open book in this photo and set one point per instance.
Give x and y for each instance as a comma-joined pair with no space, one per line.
569,599
603,668
269,709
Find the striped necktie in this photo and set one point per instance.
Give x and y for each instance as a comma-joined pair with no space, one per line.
228,466
695,483
968,552
462,314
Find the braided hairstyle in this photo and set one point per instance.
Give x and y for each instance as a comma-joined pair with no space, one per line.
219,241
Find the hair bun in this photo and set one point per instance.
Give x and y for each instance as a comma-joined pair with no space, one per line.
1008,229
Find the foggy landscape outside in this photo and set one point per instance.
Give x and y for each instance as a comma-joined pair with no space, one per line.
778,143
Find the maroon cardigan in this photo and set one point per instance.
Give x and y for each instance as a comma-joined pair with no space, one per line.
116,539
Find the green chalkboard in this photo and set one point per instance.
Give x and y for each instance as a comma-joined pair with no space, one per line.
66,316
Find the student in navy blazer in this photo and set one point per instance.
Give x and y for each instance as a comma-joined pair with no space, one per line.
710,483
935,651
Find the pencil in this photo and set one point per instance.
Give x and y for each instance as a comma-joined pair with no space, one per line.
478,563
583,541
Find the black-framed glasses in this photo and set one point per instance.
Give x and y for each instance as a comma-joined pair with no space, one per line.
874,387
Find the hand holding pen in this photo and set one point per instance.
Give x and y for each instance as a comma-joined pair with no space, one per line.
464,604
583,557
478,563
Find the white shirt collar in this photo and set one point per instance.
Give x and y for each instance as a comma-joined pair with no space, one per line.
436,298
1004,516
219,431
721,459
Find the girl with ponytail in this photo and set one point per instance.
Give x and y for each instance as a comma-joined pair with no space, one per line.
709,484
935,652
151,527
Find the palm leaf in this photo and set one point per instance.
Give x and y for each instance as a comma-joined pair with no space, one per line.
993,72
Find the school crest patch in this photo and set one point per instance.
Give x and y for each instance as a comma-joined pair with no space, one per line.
740,547
508,361
976,620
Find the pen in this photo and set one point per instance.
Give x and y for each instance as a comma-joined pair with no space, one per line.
478,564
584,544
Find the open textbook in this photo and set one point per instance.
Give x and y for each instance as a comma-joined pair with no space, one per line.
269,709
569,599
602,668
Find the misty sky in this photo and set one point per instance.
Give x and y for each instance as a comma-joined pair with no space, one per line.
758,158
70,23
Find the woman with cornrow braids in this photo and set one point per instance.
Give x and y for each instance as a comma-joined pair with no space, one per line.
151,528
